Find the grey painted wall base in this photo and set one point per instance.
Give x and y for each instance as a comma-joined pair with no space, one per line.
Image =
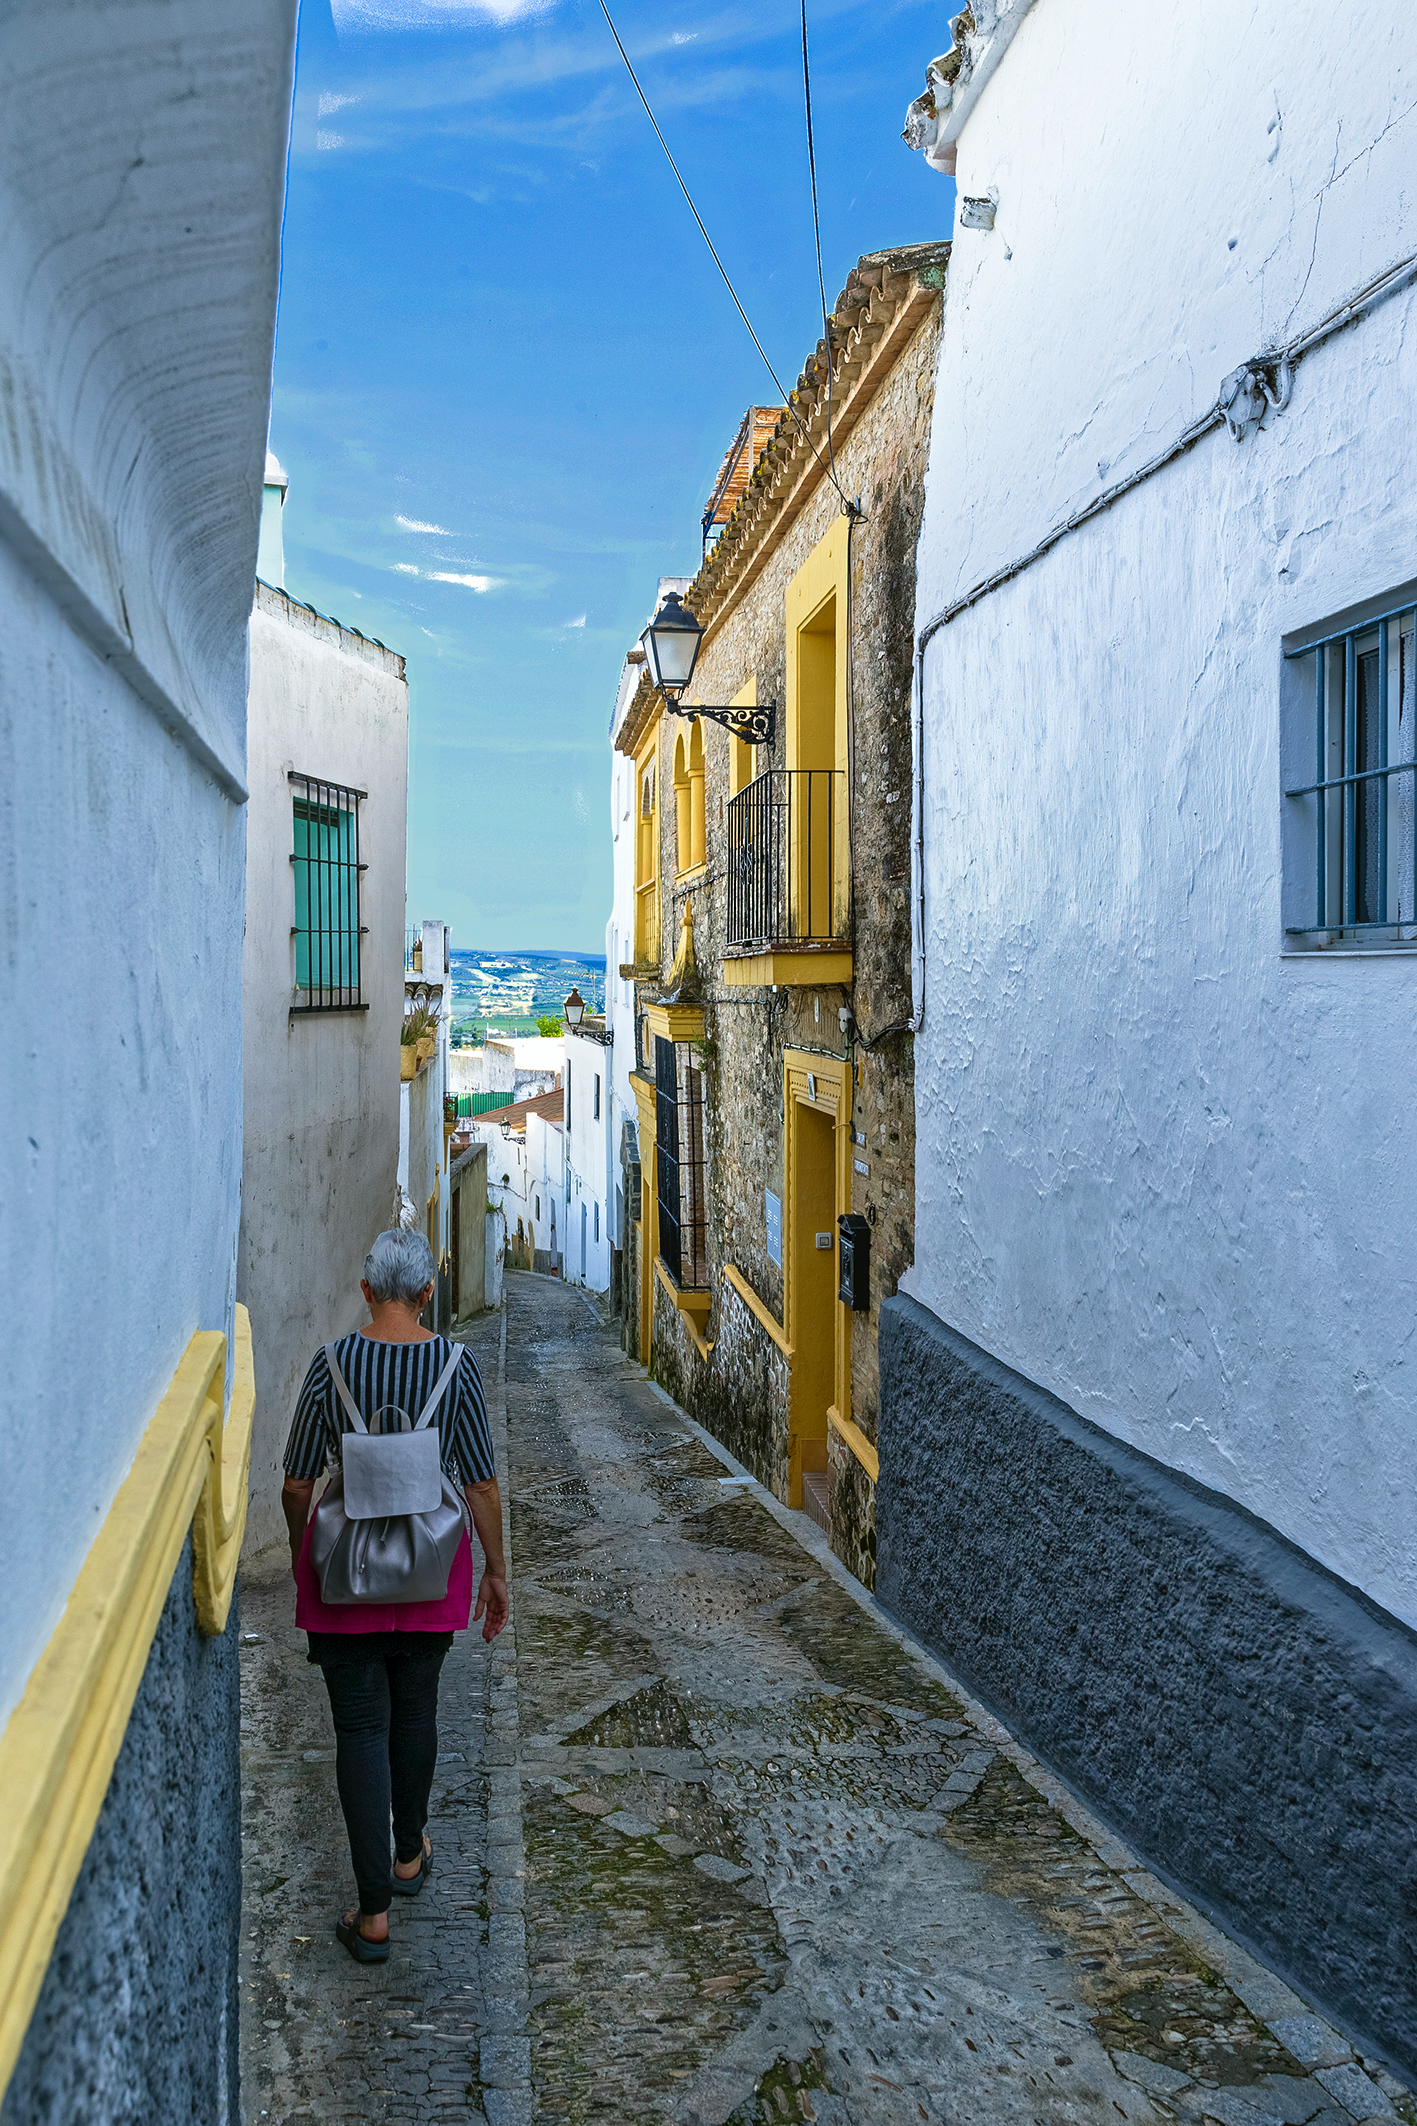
1241,1716
137,2018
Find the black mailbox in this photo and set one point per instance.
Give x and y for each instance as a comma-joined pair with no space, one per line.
855,1252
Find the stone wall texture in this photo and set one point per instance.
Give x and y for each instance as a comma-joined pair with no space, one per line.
740,1392
137,2019
1241,1715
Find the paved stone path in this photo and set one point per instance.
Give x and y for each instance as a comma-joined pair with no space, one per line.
716,1844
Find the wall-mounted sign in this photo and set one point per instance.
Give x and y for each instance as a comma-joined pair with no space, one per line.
773,1206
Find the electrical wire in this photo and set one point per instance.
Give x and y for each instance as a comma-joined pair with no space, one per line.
817,233
785,395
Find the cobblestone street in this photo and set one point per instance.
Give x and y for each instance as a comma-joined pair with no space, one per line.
714,1844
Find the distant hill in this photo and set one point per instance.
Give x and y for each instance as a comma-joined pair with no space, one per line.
511,990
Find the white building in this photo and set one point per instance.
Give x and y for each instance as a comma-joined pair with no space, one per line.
322,986
142,154
1149,1412
525,1181
519,1065
425,1129
590,1176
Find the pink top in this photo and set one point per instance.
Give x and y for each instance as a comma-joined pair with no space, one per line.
451,1614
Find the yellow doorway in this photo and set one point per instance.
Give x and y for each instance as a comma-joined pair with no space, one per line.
812,1223
816,1112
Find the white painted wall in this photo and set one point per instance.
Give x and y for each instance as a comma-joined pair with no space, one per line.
506,1157
620,951
546,1184
321,1088
423,1173
522,1066
141,170
589,1179
1161,1167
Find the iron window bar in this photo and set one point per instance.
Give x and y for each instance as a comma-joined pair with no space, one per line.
679,1163
786,875
1355,855
327,873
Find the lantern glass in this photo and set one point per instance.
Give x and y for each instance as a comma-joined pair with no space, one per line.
574,1009
671,645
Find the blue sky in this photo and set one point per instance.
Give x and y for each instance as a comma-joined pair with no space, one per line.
507,370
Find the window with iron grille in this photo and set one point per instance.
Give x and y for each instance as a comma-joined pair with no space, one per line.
1350,828
327,869
679,1163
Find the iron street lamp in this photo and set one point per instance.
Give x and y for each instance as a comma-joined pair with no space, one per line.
671,647
574,1009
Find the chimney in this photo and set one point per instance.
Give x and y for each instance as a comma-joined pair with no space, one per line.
755,432
270,552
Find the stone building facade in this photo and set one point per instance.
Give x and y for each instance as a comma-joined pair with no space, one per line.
772,970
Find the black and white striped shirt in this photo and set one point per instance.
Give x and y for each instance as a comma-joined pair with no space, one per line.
404,1375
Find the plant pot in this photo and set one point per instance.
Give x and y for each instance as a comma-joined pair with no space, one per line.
426,1048
408,1061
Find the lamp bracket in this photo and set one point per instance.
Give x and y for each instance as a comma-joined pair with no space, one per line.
757,725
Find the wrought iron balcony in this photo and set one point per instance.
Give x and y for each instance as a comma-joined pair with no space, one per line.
787,861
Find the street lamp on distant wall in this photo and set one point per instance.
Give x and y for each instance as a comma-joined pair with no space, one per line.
671,647
573,1010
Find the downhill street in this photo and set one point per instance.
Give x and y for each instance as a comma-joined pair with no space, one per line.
712,1843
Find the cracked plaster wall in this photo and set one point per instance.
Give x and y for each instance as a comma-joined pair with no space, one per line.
1162,1169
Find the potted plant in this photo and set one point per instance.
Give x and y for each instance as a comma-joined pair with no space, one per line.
416,1043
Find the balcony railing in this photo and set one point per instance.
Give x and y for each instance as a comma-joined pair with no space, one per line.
787,860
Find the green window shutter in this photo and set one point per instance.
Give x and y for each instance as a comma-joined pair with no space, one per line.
326,899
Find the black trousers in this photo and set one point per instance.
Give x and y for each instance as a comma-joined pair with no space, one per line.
383,1688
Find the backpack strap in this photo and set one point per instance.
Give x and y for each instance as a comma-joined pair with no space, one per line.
342,1390
439,1388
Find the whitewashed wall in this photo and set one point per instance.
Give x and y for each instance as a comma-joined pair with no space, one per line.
1163,1169
322,1089
141,171
545,1179
619,951
589,1177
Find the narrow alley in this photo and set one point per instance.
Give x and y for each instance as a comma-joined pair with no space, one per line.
713,1843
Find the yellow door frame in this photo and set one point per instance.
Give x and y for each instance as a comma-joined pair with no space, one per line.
822,1085
649,1213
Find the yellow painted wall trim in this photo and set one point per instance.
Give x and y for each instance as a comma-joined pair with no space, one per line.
755,1306
675,1022
694,1303
802,968
62,1740
857,1441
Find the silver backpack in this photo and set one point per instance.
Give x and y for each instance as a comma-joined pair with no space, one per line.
389,1523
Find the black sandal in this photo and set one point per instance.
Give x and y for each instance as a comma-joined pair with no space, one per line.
414,1883
362,1950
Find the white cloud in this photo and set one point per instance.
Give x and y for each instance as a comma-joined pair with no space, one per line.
474,583
412,524
575,623
354,18
405,568
684,37
329,104
329,140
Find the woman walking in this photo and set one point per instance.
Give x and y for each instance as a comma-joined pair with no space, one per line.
381,1658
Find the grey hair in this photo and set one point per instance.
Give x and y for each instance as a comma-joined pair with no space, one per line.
399,1266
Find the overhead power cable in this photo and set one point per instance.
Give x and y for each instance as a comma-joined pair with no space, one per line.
783,394
817,233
